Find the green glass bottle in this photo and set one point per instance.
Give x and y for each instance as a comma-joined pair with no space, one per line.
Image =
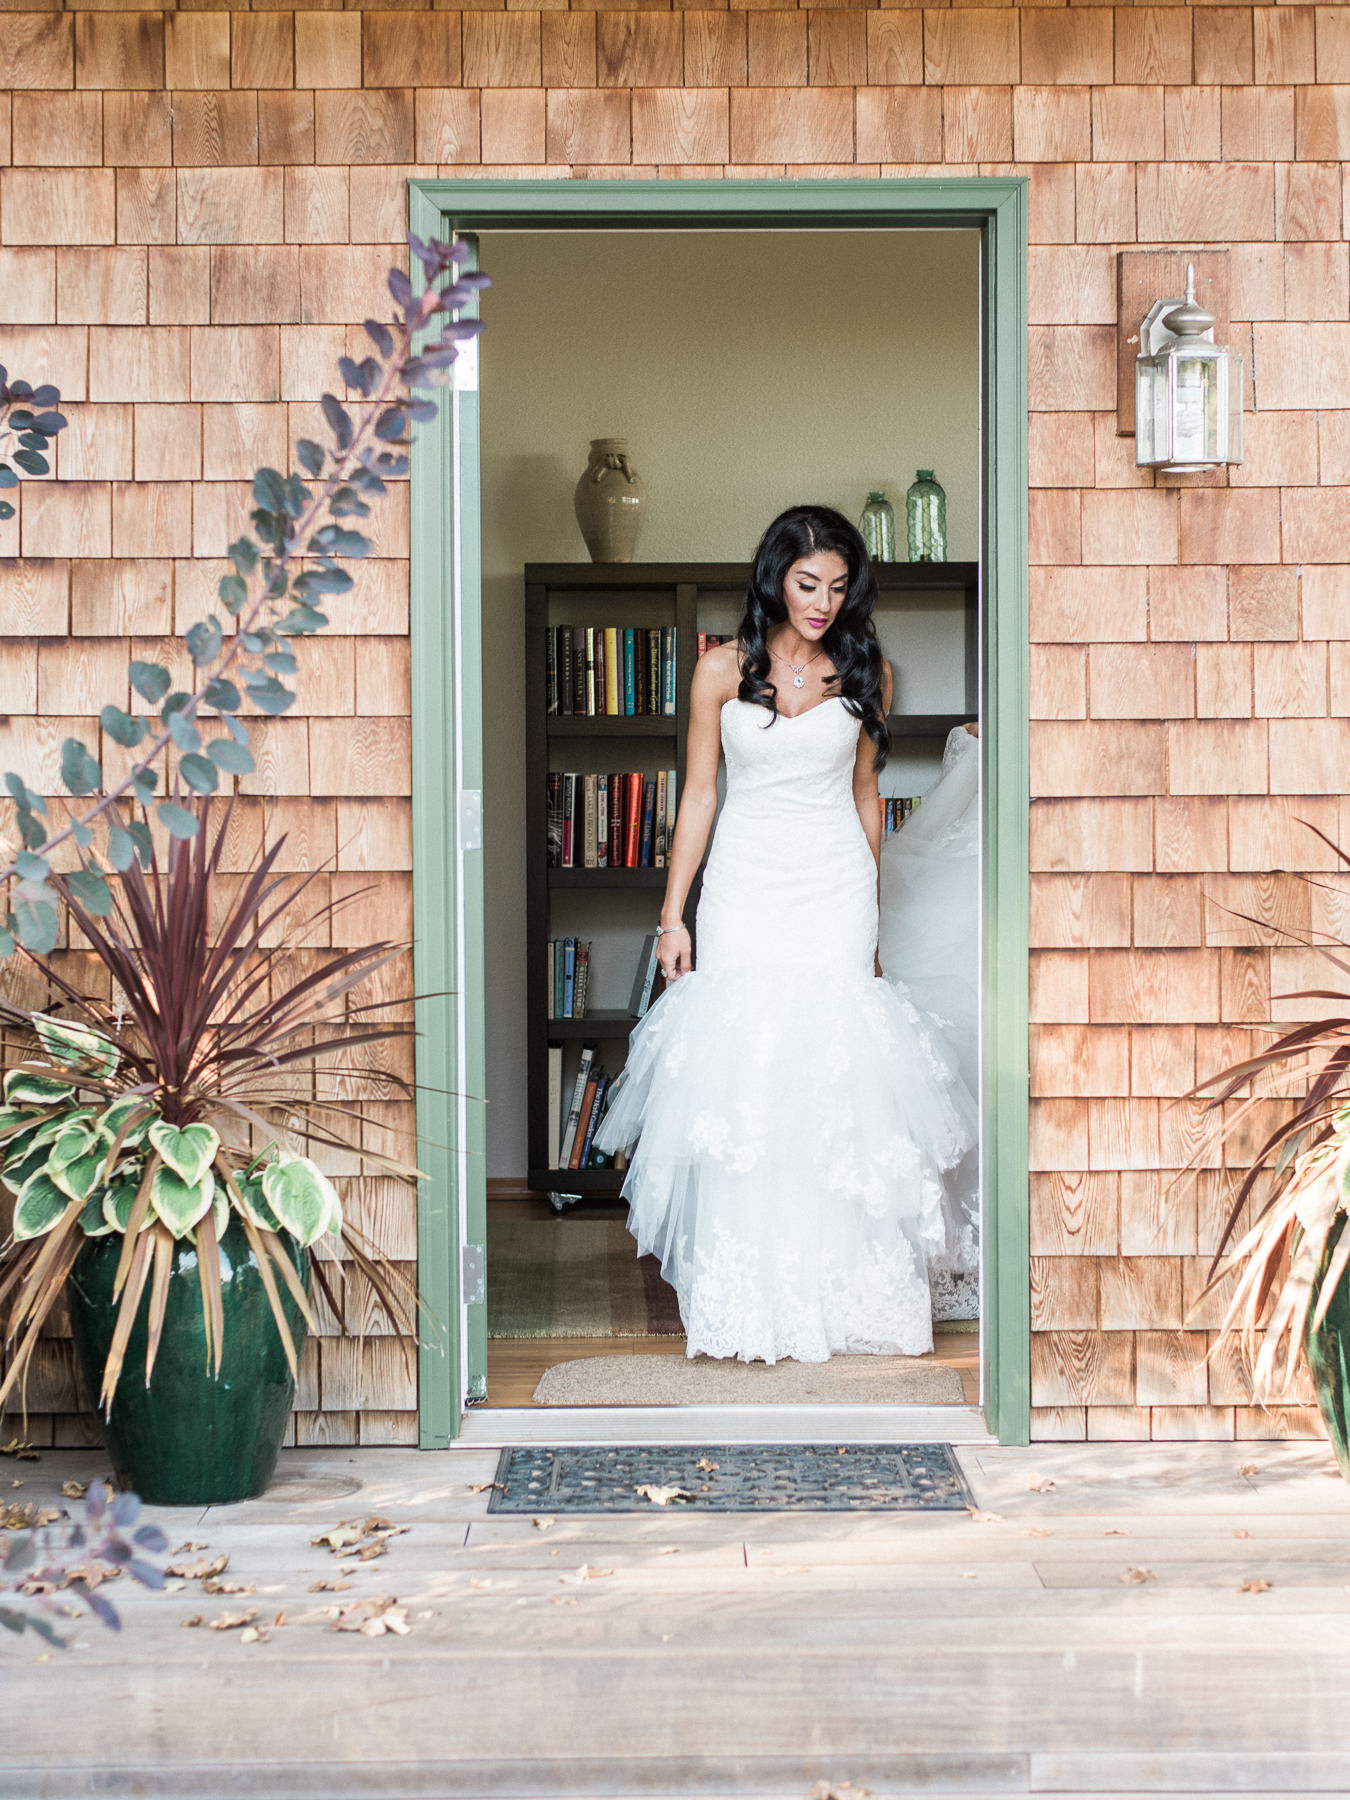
926,518
877,526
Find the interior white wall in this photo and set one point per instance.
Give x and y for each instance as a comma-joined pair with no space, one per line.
749,371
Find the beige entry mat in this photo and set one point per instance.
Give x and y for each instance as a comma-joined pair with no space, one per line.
714,1381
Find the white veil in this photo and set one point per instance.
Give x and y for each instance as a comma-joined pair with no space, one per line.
928,942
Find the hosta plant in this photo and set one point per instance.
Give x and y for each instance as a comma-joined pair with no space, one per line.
163,1113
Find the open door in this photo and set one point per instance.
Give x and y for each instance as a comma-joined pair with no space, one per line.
447,750
447,763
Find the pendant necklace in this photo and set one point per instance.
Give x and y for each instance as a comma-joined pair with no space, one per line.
798,680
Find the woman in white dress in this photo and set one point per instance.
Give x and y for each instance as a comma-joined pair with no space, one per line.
792,1112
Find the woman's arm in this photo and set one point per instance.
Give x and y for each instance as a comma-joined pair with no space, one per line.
716,678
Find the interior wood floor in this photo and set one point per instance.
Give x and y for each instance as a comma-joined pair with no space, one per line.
515,1365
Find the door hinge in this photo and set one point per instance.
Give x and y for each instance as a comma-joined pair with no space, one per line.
471,818
473,1275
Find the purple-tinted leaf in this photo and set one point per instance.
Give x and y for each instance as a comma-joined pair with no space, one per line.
339,420
146,1573
124,1511
151,1538
380,336
101,1608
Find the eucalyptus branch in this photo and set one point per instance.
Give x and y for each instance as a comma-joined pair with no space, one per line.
294,522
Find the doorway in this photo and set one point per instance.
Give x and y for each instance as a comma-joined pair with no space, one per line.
449,577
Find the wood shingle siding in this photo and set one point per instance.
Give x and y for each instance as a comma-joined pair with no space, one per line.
197,208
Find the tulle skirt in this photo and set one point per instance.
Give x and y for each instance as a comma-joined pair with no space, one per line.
791,1144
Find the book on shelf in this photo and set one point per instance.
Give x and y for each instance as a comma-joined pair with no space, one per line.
895,811
569,974
709,640
554,1103
591,1122
644,982
619,820
611,671
574,1108
647,842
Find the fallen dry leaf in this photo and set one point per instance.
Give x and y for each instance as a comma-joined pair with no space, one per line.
1259,1586
585,1573
985,1518
486,1487
20,1451
372,1618
1242,1534
88,1575
705,1467
200,1568
669,1550
25,1516
1039,1484
212,1584
544,1523
1249,1468
196,1619
481,1583
254,1634
231,1621
1037,1531
563,1600
329,1587
367,1538
1137,1577
185,1549
74,1490
662,1496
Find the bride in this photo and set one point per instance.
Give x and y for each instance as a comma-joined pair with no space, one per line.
793,1112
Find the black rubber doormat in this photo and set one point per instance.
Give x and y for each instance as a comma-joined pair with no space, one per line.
635,1478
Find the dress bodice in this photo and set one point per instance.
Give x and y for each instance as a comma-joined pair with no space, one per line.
785,766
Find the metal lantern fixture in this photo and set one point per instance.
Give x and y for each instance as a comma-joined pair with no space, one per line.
1188,391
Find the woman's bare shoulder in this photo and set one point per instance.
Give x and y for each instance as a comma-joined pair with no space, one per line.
717,673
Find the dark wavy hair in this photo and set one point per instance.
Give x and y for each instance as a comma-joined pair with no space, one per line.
851,641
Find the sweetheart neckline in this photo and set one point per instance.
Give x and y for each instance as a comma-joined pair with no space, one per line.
736,700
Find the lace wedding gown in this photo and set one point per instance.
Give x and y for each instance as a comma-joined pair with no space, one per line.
793,1114
929,945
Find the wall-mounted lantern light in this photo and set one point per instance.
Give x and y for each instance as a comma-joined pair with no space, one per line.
1188,390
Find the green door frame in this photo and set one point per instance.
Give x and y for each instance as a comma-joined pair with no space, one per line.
447,736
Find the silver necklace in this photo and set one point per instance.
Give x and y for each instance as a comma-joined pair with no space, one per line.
797,678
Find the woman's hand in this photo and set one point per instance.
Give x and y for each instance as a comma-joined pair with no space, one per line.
675,952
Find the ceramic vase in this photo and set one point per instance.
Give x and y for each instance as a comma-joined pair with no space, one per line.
192,1437
610,501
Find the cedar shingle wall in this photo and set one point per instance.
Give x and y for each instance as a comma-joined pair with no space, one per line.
197,206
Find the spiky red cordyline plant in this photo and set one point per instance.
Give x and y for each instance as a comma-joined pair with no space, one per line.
1305,1159
166,1110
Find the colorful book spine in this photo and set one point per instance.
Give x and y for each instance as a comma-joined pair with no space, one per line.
569,975
632,824
552,985
590,671
583,1120
583,978
648,822
659,854
670,811
615,858
629,674
568,808
558,996
589,786
602,821
566,683
551,668
668,670
611,670
555,819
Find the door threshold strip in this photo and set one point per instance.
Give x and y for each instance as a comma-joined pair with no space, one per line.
492,1427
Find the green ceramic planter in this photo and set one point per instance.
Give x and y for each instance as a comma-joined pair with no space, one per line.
192,1438
1328,1348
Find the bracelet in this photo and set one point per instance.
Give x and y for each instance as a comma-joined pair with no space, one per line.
661,930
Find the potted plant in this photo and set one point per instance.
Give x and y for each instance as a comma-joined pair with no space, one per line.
163,1137
1290,1298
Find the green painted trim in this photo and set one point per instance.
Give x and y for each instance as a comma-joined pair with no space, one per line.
998,206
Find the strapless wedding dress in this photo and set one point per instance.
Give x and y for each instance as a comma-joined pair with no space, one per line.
793,1114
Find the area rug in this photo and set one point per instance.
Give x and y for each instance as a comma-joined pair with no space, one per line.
634,1478
706,1381
574,1278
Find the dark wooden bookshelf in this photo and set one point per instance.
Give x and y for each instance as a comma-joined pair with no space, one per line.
655,594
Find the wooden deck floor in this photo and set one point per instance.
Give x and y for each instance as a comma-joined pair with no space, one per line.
1117,1619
